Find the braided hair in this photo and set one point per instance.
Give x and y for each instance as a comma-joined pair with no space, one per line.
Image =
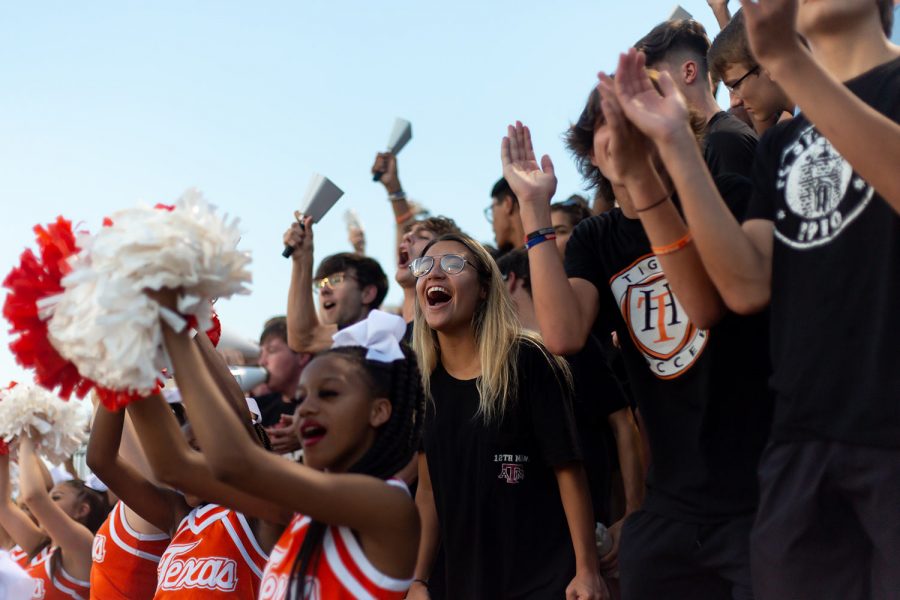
395,443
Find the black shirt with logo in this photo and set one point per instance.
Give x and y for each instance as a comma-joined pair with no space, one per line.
502,525
702,394
835,302
729,145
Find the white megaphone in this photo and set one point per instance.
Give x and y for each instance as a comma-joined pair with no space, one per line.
249,377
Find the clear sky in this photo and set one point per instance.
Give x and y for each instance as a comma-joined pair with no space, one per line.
106,104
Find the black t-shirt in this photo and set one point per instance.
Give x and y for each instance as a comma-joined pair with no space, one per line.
597,395
835,282
272,406
702,393
502,524
729,145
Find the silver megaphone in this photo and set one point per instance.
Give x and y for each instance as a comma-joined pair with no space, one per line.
249,377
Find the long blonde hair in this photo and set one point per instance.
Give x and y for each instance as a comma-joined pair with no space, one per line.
498,335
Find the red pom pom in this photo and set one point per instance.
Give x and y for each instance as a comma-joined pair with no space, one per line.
168,207
214,333
33,280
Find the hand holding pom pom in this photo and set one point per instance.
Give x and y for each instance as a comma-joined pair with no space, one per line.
58,428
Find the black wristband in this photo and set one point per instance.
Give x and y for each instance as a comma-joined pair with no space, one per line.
539,233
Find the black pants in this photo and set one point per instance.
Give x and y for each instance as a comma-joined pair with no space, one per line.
664,559
828,523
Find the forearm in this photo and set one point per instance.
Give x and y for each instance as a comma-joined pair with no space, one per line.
103,445
302,321
721,12
868,140
683,268
31,480
226,383
740,272
430,532
576,501
16,523
556,305
628,446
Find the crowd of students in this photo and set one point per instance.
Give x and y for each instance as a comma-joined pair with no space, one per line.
692,392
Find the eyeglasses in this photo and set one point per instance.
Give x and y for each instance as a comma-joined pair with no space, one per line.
451,264
735,88
489,214
331,282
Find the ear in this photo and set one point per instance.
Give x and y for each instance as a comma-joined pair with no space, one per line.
303,358
82,512
380,413
368,295
508,205
511,281
689,72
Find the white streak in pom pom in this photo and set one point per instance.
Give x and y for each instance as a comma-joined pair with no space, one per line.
61,425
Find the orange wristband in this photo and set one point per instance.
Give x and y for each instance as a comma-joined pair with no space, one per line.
405,217
673,247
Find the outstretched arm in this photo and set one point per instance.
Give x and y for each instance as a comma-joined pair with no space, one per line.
738,259
20,528
868,140
386,164
566,309
305,332
155,505
73,538
360,502
720,11
631,154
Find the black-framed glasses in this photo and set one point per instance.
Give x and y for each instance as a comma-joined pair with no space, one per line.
451,264
735,88
489,213
332,281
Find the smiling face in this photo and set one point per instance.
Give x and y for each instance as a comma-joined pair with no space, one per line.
414,241
337,418
449,301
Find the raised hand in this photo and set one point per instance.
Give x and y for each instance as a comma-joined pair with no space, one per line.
530,182
299,236
386,165
772,30
628,151
660,115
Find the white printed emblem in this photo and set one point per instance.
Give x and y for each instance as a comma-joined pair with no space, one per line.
658,324
821,191
98,550
207,573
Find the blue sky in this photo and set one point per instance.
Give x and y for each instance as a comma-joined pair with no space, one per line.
106,104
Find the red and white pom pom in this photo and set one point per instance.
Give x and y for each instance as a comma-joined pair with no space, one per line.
58,427
106,324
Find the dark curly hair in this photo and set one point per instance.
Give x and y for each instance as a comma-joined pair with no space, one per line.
396,441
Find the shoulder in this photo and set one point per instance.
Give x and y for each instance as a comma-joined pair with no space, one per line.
727,125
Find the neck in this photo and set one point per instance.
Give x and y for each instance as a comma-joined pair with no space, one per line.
408,309
459,354
854,51
525,310
624,201
702,101
517,233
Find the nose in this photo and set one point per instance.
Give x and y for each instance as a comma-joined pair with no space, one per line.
736,100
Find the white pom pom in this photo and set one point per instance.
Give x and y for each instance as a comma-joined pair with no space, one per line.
61,426
105,323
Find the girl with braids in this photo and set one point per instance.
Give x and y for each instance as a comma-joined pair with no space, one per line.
70,514
220,536
355,532
501,484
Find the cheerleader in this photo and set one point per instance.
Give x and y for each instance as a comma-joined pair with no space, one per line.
355,531
70,514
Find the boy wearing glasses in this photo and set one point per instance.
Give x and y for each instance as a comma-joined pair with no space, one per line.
348,286
679,48
751,86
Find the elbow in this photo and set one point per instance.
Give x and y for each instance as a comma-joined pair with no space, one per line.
708,317
230,470
563,344
749,301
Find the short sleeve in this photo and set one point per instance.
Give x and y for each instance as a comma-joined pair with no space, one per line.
762,200
550,404
581,251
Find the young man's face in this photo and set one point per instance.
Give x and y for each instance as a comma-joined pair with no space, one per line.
760,96
282,363
502,211
414,241
341,300
563,226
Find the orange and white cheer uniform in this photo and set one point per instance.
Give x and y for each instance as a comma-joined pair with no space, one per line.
343,572
56,586
213,554
125,561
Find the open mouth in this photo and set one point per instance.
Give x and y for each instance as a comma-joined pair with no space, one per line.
311,433
402,258
328,305
437,296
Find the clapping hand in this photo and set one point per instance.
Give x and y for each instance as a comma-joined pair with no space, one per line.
530,182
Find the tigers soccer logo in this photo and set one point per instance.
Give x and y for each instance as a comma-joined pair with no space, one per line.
658,325
822,193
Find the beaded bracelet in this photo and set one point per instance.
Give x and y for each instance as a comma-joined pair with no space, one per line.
673,247
397,196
